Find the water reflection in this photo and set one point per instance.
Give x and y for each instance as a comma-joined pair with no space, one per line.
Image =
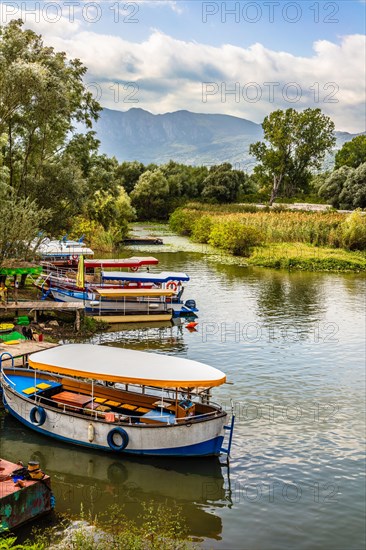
290,295
167,339
99,480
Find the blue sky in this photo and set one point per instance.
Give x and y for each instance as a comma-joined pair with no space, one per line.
240,58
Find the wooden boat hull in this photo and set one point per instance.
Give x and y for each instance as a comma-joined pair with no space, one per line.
122,307
201,437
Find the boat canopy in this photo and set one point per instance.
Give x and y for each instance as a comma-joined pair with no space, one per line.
145,277
135,261
133,292
53,248
126,366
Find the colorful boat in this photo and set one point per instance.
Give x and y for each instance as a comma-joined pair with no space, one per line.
65,276
25,495
157,291
63,252
120,305
159,405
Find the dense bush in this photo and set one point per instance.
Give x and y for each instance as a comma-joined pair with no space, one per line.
182,220
234,236
238,232
346,187
354,231
202,229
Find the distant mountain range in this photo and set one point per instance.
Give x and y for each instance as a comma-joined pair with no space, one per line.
183,136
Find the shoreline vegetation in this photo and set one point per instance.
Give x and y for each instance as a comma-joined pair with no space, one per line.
278,238
159,526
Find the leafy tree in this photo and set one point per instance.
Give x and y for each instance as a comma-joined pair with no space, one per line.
151,196
354,231
346,187
223,183
83,149
353,153
42,96
20,220
111,211
185,182
129,173
332,187
295,142
353,194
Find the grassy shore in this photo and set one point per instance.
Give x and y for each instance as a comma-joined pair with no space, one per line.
306,257
312,241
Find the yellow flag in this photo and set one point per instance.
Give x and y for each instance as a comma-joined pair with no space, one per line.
80,277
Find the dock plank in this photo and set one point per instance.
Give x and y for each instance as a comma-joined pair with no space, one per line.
42,306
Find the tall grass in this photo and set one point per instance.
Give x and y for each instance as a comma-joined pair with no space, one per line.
316,241
316,228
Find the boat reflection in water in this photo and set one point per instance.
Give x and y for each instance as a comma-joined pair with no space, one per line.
97,480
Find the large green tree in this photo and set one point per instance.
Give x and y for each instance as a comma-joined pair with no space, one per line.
353,153
151,196
346,187
42,97
20,218
294,143
223,184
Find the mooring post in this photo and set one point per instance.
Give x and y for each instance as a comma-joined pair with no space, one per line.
77,320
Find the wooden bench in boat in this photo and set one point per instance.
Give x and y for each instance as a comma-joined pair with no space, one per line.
74,400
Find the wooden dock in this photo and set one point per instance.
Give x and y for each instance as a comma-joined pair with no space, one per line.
18,353
42,306
39,306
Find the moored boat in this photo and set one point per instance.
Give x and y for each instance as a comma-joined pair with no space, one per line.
119,305
63,252
131,300
162,408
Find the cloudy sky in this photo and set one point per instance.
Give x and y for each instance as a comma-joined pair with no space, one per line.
239,58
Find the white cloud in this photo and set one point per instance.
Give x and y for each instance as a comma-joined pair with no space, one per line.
170,73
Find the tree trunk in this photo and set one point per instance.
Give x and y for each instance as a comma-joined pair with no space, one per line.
275,188
23,278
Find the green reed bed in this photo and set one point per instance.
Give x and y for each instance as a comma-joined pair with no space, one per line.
329,240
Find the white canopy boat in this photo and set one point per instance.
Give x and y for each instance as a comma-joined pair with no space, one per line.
160,406
63,249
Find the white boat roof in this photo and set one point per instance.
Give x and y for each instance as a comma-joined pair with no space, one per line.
126,366
50,247
145,277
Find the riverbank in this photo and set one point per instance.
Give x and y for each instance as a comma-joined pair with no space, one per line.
311,241
305,257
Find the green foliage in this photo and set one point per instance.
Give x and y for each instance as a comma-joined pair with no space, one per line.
9,543
353,194
295,143
331,188
354,231
274,226
353,153
346,187
151,196
20,220
181,222
202,228
129,173
160,190
223,184
305,257
234,236
42,96
159,527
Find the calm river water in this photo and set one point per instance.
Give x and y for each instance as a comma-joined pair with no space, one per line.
293,348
